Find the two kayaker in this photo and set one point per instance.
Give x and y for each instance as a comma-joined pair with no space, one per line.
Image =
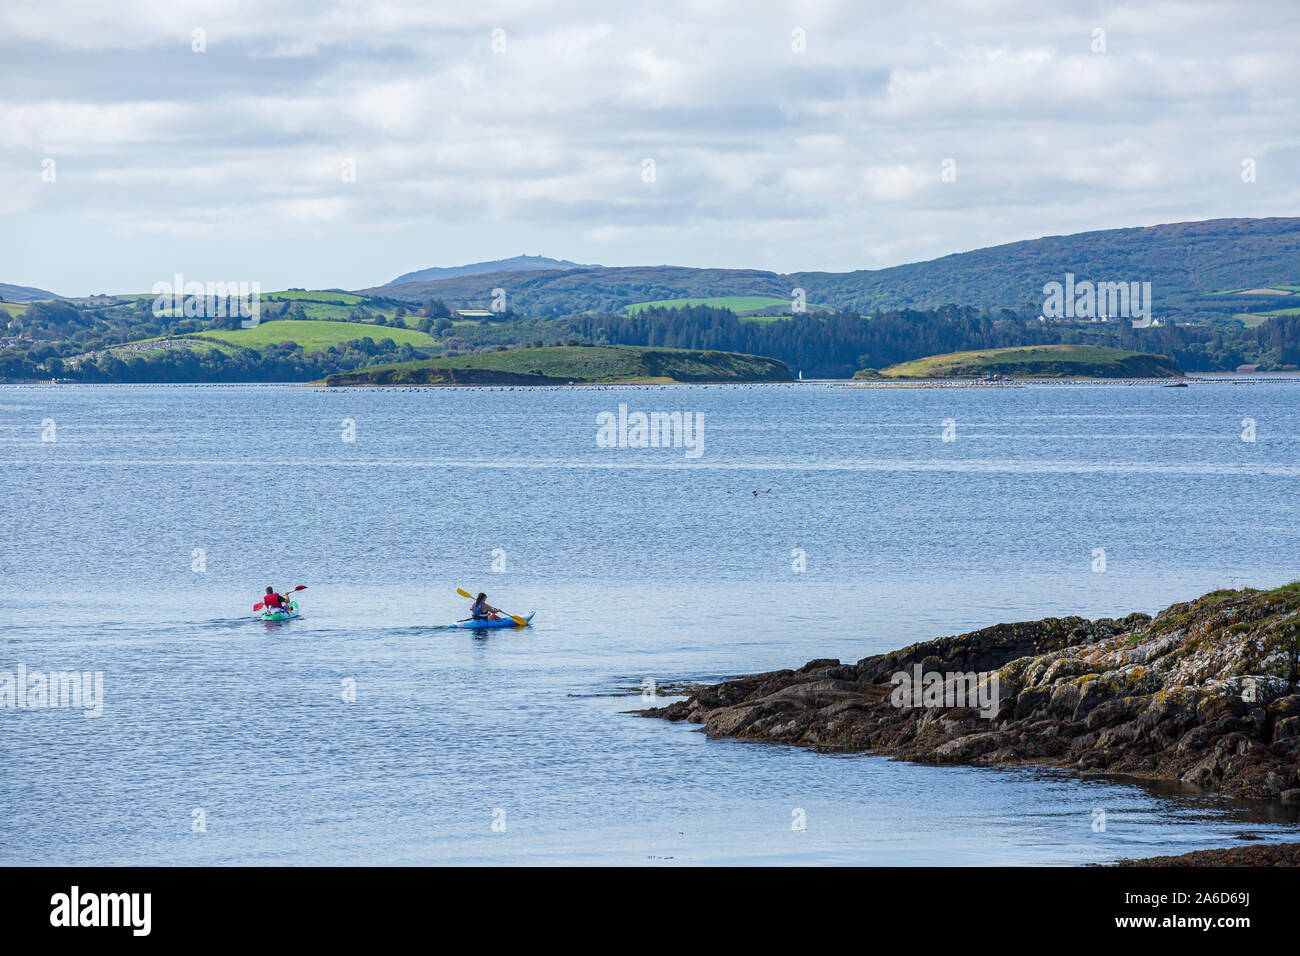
482,611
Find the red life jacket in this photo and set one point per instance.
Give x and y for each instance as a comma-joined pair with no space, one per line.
273,600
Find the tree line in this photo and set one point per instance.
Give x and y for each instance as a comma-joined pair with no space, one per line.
836,344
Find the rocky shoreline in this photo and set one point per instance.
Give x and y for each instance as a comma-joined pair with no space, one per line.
1265,854
1204,693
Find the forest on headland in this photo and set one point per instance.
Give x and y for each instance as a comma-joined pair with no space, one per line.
64,340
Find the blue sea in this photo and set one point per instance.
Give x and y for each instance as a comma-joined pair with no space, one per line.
139,524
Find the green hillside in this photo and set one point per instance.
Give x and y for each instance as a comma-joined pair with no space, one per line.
1185,263
333,296
558,292
1040,361
557,365
23,293
736,303
313,335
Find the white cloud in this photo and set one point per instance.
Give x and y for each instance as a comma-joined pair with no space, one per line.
827,159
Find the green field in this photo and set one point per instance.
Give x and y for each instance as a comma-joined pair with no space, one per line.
329,312
1038,361
562,364
1267,290
300,295
1255,319
328,306
104,301
736,303
293,295
13,309
313,335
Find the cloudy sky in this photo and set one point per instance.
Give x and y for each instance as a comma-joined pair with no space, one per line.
783,136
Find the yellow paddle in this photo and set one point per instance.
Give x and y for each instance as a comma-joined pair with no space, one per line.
518,620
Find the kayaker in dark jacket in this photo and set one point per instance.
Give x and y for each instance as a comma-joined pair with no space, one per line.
482,611
272,599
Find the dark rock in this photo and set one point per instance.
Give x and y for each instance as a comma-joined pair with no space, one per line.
1273,854
1160,696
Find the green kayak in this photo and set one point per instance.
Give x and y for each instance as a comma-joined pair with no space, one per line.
288,614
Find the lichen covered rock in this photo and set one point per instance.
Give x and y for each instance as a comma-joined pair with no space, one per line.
1205,692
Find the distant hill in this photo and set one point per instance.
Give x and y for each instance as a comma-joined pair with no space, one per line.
1038,361
1186,263
560,365
1180,260
23,293
515,264
593,289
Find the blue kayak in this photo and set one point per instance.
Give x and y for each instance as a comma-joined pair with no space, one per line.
483,624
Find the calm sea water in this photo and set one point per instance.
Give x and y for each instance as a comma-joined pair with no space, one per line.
135,542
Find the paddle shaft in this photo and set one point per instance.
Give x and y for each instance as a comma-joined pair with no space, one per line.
495,610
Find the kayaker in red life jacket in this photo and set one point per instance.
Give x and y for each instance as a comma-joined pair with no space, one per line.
273,600
482,611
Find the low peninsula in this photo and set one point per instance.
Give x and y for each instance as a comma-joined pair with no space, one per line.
1037,361
570,365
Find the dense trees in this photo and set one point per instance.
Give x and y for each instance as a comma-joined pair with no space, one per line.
1280,336
837,344
437,309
